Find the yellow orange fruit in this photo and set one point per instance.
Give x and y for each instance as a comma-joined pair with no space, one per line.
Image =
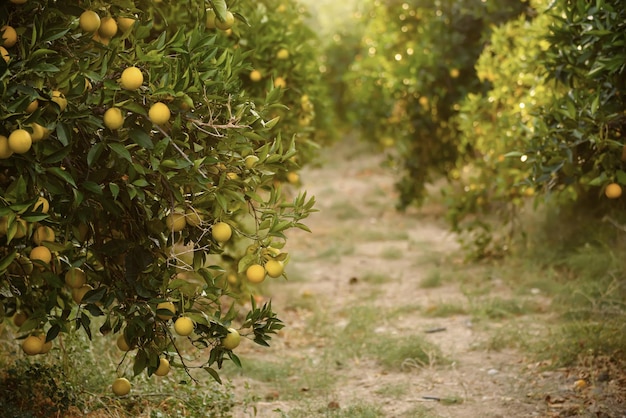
131,79
221,232
41,205
32,345
89,21
5,54
20,141
113,118
108,27
175,221
47,345
232,340
5,149
159,113
164,367
39,132
75,278
41,253
43,233
193,218
183,326
22,228
255,75
125,23
122,344
9,36
280,83
34,105
79,293
274,268
613,191
255,273
166,306
282,54
121,386
293,177
59,98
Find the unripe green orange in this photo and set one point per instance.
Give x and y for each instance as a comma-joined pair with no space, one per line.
227,23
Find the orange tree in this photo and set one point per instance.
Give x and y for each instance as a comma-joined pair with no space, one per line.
495,125
578,148
416,63
550,123
283,54
130,157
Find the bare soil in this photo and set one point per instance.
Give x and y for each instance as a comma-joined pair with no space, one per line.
357,232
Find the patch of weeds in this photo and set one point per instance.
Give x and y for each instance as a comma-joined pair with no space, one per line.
432,280
509,336
32,390
573,340
391,253
291,379
90,366
500,308
445,310
352,411
406,353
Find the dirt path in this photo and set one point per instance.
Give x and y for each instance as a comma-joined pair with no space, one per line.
377,315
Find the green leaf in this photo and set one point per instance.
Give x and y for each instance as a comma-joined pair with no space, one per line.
214,374
63,175
115,190
141,138
6,261
94,153
141,361
64,134
120,150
